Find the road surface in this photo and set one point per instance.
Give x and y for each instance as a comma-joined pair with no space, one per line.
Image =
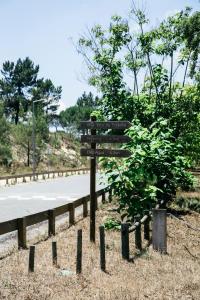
29,198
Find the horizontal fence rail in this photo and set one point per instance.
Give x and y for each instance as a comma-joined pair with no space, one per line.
21,224
146,217
45,175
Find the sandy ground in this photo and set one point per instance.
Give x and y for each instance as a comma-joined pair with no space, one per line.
150,276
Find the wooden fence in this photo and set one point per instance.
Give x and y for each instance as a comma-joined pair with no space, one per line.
158,237
13,179
21,224
159,231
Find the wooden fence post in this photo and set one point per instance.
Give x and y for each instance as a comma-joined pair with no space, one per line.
138,238
85,208
71,214
21,222
125,241
54,253
159,230
52,226
146,226
110,196
31,263
102,248
79,252
103,197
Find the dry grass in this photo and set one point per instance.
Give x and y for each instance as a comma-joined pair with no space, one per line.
151,276
189,195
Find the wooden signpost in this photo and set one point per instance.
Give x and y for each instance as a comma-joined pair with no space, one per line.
101,139
92,152
104,125
105,153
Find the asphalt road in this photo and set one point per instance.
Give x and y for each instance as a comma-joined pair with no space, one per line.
29,198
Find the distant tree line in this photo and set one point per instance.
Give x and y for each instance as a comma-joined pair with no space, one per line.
81,111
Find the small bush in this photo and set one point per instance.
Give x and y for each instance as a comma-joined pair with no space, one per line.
112,224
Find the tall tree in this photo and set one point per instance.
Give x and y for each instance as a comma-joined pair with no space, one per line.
16,86
164,109
154,60
5,151
87,100
51,95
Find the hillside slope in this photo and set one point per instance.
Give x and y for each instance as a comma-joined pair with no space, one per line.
61,152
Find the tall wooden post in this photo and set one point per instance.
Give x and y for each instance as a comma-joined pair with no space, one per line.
52,226
146,227
79,252
94,139
138,238
21,222
31,259
54,253
102,248
125,241
159,230
92,188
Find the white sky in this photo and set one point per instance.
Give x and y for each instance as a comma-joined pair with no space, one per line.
43,29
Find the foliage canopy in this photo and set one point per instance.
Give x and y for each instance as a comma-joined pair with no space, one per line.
151,78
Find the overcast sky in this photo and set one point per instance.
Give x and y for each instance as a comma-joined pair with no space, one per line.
44,29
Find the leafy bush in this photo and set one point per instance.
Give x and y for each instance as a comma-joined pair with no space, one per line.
112,224
152,173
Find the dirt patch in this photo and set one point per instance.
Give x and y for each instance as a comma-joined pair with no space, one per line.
150,276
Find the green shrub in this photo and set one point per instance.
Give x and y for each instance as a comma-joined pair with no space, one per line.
152,173
112,224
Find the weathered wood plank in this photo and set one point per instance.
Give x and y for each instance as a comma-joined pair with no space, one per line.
125,241
159,230
105,152
71,214
31,263
102,248
60,210
8,226
37,218
54,253
52,224
105,125
21,223
79,252
100,139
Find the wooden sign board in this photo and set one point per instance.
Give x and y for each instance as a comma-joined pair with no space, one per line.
105,153
105,125
100,139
